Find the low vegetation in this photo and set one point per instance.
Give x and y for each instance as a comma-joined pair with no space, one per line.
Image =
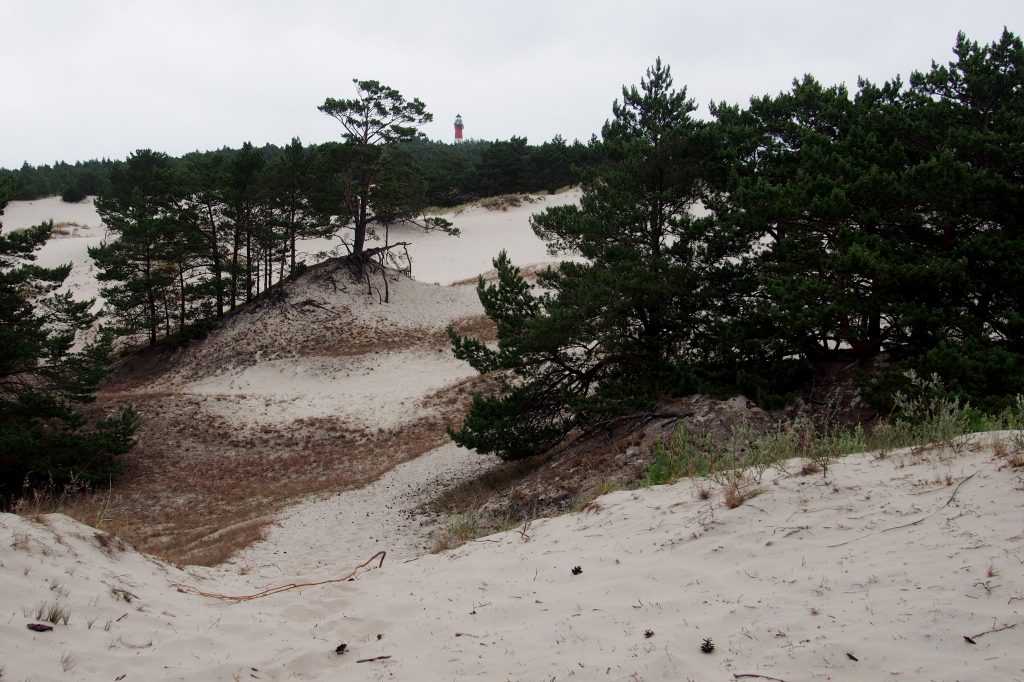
53,612
742,460
728,467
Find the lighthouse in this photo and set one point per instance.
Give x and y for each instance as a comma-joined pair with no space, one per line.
458,127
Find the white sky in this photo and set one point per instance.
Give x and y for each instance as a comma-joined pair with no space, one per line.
105,77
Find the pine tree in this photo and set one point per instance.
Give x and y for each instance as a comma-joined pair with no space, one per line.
140,260
43,438
292,195
612,334
880,223
971,122
364,168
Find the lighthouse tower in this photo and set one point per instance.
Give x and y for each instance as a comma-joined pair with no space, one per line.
458,127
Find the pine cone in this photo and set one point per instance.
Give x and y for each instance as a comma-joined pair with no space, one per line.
707,646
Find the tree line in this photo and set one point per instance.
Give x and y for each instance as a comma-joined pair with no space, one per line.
453,173
879,227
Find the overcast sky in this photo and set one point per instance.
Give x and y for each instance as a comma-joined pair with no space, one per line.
102,78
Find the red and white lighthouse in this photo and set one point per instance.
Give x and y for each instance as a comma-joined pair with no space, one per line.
458,127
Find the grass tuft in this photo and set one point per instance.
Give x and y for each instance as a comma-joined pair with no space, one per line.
53,612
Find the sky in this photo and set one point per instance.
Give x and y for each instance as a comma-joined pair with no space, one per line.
102,78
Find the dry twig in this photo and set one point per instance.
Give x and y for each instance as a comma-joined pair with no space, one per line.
912,523
971,638
188,589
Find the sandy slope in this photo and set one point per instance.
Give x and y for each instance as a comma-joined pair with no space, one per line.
325,386
795,584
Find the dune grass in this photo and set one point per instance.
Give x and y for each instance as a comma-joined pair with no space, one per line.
924,417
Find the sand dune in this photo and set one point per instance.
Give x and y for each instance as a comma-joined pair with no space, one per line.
876,572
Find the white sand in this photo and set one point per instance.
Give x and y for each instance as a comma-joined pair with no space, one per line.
768,582
80,217
84,228
377,390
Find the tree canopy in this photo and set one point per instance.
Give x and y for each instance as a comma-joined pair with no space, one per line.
375,181
608,335
737,255
43,438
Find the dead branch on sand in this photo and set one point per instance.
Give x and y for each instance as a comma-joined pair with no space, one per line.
970,638
188,589
912,523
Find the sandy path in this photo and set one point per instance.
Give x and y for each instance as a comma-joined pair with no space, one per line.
325,534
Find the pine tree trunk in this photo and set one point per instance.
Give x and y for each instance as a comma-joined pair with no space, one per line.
181,287
237,244
151,300
218,282
360,229
248,263
291,235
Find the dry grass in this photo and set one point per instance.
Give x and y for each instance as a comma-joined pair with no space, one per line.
731,496
477,326
68,662
474,492
1011,451
503,202
197,489
96,509
53,612
66,228
460,529
586,500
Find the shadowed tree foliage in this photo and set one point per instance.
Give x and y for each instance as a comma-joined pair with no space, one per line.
879,225
881,222
43,439
609,335
139,261
971,193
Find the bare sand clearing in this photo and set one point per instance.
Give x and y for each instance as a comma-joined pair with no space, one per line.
877,572
378,390
70,219
76,227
